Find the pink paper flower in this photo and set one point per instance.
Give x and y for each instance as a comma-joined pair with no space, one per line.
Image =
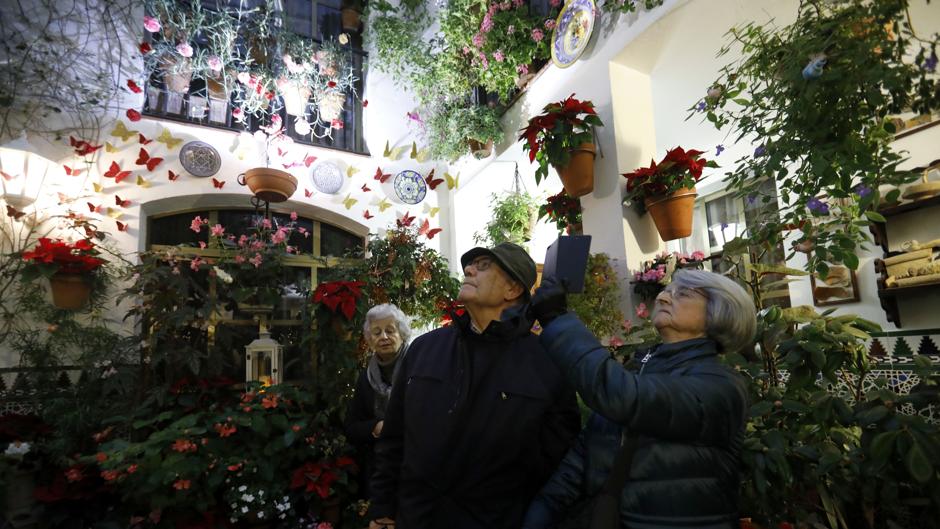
537,35
184,49
151,24
642,311
215,63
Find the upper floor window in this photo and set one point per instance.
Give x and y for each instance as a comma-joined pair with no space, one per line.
248,64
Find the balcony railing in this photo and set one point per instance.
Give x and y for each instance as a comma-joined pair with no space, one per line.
196,108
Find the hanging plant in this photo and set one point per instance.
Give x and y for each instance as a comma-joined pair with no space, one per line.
815,95
513,219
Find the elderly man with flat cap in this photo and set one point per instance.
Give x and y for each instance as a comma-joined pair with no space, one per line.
477,420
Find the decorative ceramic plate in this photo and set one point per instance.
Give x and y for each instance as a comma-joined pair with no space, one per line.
410,187
573,31
200,158
327,178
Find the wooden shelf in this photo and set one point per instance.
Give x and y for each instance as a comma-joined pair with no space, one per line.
889,298
910,206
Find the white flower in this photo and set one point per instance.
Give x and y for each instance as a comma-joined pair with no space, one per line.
245,509
17,449
343,39
260,493
260,514
242,488
248,497
223,275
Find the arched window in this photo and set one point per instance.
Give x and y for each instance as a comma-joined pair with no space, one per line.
334,242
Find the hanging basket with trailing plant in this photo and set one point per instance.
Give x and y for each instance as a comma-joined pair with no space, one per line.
562,136
667,190
70,267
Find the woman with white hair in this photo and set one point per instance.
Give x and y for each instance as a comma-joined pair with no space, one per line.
387,332
662,448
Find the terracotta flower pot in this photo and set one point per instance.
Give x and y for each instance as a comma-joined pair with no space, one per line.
672,214
70,291
578,175
351,18
270,185
480,150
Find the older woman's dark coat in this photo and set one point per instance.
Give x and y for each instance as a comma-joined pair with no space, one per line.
688,412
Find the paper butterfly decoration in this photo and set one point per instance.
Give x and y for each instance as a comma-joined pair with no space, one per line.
419,156
121,226
167,139
97,187
172,176
380,176
308,193
393,154
452,181
72,172
143,139
429,210
426,230
114,213
109,147
433,182
116,173
82,147
121,203
383,205
90,232
143,182
405,220
367,215
95,209
350,171
365,188
15,213
144,158
217,184
121,131
349,201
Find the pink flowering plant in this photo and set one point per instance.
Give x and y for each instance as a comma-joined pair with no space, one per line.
506,44
656,273
634,334
251,265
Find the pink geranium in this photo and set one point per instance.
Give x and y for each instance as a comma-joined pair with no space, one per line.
498,56
217,231
537,35
196,224
642,311
184,49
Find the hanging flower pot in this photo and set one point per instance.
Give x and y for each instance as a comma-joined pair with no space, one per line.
351,18
268,184
295,96
672,213
330,105
480,150
578,175
70,291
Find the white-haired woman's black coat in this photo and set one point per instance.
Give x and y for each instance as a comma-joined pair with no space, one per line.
688,411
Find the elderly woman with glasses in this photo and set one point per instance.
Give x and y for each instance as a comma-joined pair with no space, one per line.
387,332
662,448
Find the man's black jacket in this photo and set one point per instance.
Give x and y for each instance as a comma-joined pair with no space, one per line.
475,425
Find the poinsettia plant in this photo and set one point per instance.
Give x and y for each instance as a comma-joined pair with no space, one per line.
51,256
562,126
679,169
562,209
339,297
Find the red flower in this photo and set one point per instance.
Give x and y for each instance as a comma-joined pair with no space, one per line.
145,48
679,168
77,258
131,469
331,84
101,457
181,484
74,474
313,477
133,115
225,430
133,86
269,402
184,445
110,475
339,295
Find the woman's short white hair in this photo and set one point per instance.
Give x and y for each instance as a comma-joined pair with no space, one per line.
730,316
387,310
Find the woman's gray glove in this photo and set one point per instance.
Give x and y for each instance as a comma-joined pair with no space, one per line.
549,301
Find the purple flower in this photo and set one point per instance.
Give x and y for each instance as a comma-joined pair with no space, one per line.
862,190
817,206
477,40
498,55
760,150
930,64
523,69
700,106
751,199
487,25
724,225
719,149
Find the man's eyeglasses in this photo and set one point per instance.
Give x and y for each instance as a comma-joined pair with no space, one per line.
481,263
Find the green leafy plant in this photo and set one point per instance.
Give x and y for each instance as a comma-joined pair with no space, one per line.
512,220
451,124
598,306
628,6
562,126
816,95
401,269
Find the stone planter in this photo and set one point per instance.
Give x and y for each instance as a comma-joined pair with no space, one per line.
70,291
672,214
578,175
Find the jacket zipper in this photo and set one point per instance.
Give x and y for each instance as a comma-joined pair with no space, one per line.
644,360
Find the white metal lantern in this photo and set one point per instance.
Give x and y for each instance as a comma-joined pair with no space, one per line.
264,358
23,172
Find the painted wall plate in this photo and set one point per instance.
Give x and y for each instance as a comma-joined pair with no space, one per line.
200,159
410,187
327,178
573,31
